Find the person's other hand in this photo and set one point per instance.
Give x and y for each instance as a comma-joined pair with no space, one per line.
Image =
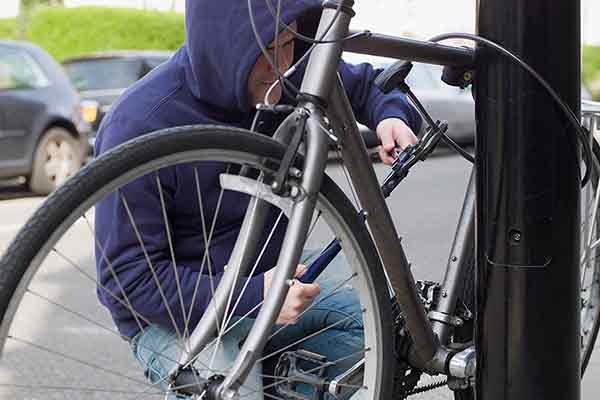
393,133
299,296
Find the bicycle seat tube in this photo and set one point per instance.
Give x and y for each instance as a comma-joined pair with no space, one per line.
429,354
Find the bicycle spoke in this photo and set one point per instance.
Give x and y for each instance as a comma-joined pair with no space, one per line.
129,305
153,271
107,329
207,240
76,360
327,364
172,251
229,328
221,328
594,245
206,368
297,376
104,288
331,292
595,210
309,336
149,262
328,295
114,276
272,396
589,258
75,388
314,224
264,248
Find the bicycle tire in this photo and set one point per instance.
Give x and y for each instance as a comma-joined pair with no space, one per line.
21,260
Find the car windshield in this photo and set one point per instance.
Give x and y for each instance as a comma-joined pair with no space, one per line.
19,71
105,74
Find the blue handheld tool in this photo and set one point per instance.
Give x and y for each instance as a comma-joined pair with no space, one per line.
332,250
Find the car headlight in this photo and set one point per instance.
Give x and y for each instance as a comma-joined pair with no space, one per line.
88,109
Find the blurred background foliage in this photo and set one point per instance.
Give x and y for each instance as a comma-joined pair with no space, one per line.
590,69
69,32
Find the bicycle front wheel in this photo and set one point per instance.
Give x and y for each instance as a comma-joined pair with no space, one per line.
58,341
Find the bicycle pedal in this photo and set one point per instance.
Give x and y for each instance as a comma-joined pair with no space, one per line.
301,375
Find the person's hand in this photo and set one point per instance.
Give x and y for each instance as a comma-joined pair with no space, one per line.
392,133
299,296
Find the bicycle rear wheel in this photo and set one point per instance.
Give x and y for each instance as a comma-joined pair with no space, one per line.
589,267
590,261
56,340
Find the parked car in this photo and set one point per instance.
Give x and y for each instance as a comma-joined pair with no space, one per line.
441,101
448,103
102,77
43,135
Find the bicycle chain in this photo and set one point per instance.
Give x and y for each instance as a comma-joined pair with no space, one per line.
408,377
428,387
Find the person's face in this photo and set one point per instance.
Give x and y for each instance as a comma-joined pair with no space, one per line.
263,74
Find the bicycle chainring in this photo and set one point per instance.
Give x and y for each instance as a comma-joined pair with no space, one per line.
406,377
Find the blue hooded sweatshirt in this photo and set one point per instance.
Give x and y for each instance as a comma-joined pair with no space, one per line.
205,82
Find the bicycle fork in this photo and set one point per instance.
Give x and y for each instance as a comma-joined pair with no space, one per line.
299,210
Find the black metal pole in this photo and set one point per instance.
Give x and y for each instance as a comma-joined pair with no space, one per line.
527,331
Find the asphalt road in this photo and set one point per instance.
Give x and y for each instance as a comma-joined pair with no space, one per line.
425,209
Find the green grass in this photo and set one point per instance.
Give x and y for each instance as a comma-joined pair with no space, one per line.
8,27
68,32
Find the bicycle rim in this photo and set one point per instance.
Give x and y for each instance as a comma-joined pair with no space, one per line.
59,342
590,262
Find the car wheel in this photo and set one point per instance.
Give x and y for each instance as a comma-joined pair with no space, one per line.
57,157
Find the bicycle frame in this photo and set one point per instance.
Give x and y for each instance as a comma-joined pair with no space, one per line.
322,86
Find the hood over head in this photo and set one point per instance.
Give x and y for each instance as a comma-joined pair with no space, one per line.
221,47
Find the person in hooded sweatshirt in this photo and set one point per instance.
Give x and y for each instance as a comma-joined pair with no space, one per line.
217,77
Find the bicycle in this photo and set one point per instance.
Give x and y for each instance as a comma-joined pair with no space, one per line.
433,331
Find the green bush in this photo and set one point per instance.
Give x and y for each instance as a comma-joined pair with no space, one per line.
591,69
69,32
8,27
65,32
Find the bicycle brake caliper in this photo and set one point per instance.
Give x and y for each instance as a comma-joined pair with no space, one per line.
279,186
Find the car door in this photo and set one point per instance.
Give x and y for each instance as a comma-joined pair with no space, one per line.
20,78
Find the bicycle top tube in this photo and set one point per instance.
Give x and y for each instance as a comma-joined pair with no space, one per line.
376,44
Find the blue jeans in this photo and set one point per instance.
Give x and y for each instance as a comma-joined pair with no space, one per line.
157,349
